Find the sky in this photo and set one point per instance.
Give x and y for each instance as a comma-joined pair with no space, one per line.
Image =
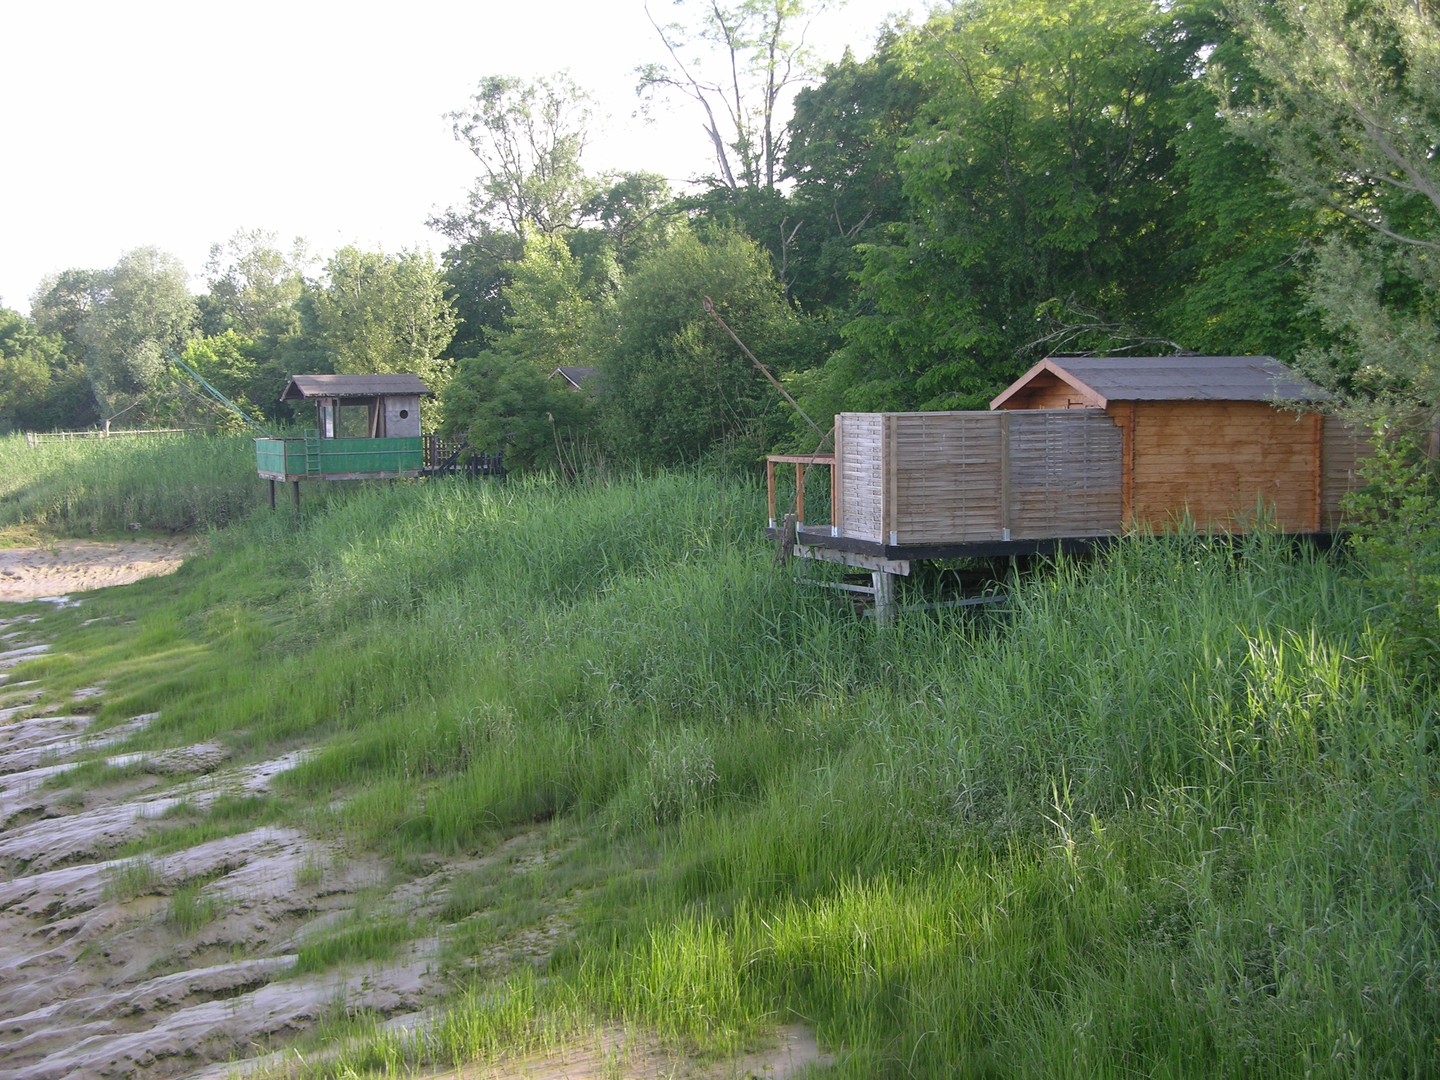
175,124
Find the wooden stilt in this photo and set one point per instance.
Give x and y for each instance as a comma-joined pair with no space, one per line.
295,496
272,494
884,583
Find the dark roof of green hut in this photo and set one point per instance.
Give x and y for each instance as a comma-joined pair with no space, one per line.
1173,378
302,387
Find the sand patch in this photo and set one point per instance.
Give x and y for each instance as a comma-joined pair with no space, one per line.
67,566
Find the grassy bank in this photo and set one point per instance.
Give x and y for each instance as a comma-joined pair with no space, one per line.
1172,813
87,487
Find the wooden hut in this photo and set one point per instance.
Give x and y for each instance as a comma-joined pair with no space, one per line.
366,426
1216,440
1077,451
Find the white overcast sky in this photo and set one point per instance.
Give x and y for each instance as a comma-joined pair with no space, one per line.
175,123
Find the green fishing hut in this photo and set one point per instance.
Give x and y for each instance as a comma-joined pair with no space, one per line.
366,427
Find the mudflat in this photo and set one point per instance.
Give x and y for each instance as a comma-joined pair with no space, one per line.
69,566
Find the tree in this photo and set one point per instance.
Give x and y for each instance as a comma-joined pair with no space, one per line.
758,49
627,217
843,156
141,311
378,313
58,309
1036,170
529,138
677,387
26,359
550,316
229,363
253,284
502,402
61,303
1348,106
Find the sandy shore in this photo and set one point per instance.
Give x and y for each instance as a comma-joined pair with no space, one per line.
69,566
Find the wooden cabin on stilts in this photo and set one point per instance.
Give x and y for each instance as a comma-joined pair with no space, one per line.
366,426
1074,453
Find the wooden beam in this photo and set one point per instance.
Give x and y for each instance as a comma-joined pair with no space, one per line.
770,487
884,583
1005,474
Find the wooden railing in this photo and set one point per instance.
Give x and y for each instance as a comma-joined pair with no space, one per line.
803,464
35,438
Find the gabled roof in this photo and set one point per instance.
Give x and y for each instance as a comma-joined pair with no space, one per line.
1103,379
581,378
342,386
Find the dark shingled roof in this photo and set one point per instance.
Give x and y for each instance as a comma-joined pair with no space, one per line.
1175,378
342,386
582,378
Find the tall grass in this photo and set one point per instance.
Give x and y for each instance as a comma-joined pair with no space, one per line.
1172,813
167,483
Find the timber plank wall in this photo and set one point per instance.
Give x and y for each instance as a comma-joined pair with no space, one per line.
1221,463
914,478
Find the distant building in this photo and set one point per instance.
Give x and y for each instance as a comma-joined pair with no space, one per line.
588,379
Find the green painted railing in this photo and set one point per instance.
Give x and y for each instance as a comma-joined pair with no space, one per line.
293,458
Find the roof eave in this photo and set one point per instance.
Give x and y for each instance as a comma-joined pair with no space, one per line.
1100,400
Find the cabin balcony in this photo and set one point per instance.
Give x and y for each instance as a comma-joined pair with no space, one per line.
314,458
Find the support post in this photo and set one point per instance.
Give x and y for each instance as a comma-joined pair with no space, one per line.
272,493
799,493
295,496
884,583
770,486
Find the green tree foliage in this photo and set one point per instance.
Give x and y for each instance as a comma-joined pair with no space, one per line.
551,318
228,362
379,313
476,272
628,217
253,284
26,360
503,402
1036,170
504,396
61,303
1348,106
140,312
755,51
676,386
845,139
528,137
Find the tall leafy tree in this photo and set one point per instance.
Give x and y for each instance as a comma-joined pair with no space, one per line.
61,303
58,309
379,313
26,360
677,387
1037,171
845,141
502,402
529,138
750,53
253,283
550,315
141,311
1348,107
